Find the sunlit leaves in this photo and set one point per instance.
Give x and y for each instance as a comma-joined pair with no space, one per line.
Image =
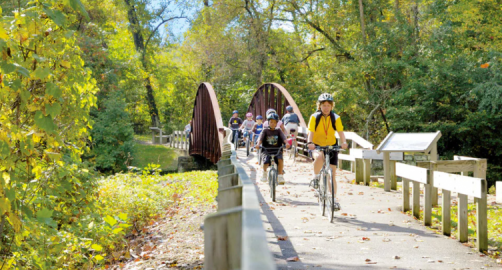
44,122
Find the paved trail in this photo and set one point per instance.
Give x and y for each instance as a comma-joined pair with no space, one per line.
368,233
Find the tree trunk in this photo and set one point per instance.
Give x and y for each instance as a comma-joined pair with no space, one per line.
139,44
361,15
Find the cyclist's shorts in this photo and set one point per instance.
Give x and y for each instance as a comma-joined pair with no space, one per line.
266,158
333,156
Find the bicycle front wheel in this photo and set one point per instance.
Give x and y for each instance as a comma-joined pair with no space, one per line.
322,193
259,156
330,195
247,147
272,181
236,140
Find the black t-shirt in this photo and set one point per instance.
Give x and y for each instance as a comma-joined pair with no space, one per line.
272,138
235,123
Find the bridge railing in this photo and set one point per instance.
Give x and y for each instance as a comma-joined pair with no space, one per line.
432,175
234,236
178,140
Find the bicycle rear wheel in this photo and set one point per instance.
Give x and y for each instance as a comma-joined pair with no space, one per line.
322,193
293,148
272,181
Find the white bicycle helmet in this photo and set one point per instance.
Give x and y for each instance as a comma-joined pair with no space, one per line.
325,97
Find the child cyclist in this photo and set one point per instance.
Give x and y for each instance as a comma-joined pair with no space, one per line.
279,124
234,123
274,138
322,127
257,128
247,126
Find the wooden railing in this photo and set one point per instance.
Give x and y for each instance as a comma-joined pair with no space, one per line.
434,174
234,236
178,140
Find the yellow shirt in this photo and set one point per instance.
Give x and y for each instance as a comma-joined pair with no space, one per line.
325,134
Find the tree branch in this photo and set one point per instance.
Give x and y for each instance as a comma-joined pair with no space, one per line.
310,54
155,30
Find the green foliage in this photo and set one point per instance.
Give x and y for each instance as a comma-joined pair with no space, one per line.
112,136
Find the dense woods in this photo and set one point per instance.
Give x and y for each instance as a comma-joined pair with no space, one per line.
79,77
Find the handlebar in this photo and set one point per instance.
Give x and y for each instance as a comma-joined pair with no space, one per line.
329,148
279,149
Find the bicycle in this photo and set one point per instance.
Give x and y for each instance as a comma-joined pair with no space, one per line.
236,138
259,150
327,196
293,151
272,173
247,134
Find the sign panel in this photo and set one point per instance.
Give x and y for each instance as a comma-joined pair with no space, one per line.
409,142
413,173
466,185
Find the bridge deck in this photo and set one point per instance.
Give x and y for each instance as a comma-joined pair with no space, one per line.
371,213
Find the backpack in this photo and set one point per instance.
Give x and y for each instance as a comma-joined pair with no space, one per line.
333,117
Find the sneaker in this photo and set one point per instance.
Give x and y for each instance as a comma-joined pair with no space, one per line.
263,177
337,205
280,179
314,183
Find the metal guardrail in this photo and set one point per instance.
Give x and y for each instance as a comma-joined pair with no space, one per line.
234,236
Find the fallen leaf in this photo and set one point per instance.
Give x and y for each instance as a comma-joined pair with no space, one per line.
397,257
361,193
282,238
389,209
293,259
344,214
366,238
367,260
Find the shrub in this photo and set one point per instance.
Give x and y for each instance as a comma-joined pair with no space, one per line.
112,136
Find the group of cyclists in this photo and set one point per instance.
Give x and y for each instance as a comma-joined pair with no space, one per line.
273,133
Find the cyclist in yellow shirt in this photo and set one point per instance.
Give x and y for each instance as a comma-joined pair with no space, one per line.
322,127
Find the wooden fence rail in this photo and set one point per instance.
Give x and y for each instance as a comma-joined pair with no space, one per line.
435,174
234,236
178,140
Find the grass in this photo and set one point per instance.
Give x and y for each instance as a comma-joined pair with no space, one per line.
155,154
494,226
143,137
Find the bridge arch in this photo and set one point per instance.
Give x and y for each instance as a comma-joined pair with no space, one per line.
273,95
206,137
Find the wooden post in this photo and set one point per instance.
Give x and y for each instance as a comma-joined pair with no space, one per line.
352,164
359,168
367,171
434,157
446,228
153,136
416,199
386,171
406,195
481,218
160,136
428,200
462,218
393,176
